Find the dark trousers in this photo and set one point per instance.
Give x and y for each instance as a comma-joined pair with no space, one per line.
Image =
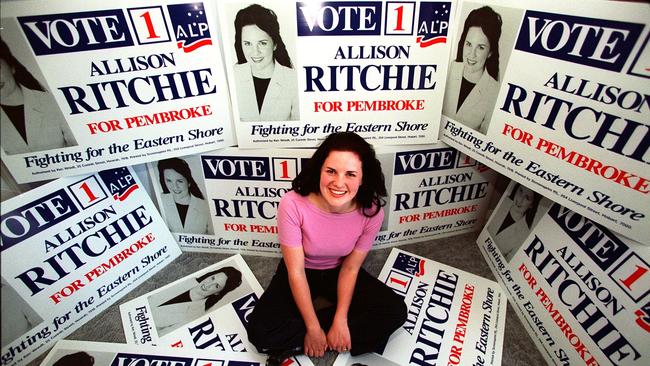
375,312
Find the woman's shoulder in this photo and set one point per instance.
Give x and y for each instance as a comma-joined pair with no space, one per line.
292,197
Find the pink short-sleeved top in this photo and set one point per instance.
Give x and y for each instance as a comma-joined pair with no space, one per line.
326,237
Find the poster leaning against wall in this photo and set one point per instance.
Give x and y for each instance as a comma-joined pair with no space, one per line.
555,95
581,290
433,191
300,70
95,85
70,249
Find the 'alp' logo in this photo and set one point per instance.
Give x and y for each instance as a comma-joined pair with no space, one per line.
409,264
119,181
598,43
236,167
433,23
424,161
190,26
339,18
75,32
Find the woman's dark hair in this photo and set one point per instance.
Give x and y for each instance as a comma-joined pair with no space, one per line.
267,21
373,186
233,280
21,75
490,23
532,210
76,359
181,167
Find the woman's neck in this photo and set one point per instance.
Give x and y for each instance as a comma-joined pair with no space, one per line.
184,200
265,73
473,77
14,97
516,213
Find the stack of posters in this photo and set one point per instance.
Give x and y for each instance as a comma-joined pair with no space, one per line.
111,84
433,191
80,353
205,310
454,317
562,102
581,291
377,68
70,249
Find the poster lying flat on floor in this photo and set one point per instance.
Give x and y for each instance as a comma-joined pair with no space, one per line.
70,249
559,102
581,291
99,85
81,353
299,71
454,317
433,191
205,310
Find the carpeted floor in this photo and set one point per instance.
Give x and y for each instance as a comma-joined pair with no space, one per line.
458,251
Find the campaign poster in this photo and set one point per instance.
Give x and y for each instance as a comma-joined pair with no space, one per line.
204,310
96,85
70,249
555,95
454,317
233,205
581,291
300,70
433,191
82,353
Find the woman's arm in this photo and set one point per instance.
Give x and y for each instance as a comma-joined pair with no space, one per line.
338,337
315,342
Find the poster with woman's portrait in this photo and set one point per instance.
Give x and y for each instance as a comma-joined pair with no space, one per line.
561,105
225,290
90,85
300,70
570,279
181,195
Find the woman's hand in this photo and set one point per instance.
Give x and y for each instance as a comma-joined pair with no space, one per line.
338,337
315,342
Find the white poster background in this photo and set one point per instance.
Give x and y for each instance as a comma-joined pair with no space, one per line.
113,354
570,157
124,102
243,188
219,328
70,249
371,76
569,281
454,317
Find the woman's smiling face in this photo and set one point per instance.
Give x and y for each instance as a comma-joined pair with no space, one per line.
177,184
476,50
257,46
340,178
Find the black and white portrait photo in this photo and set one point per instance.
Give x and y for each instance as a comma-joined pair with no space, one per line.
265,79
182,200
